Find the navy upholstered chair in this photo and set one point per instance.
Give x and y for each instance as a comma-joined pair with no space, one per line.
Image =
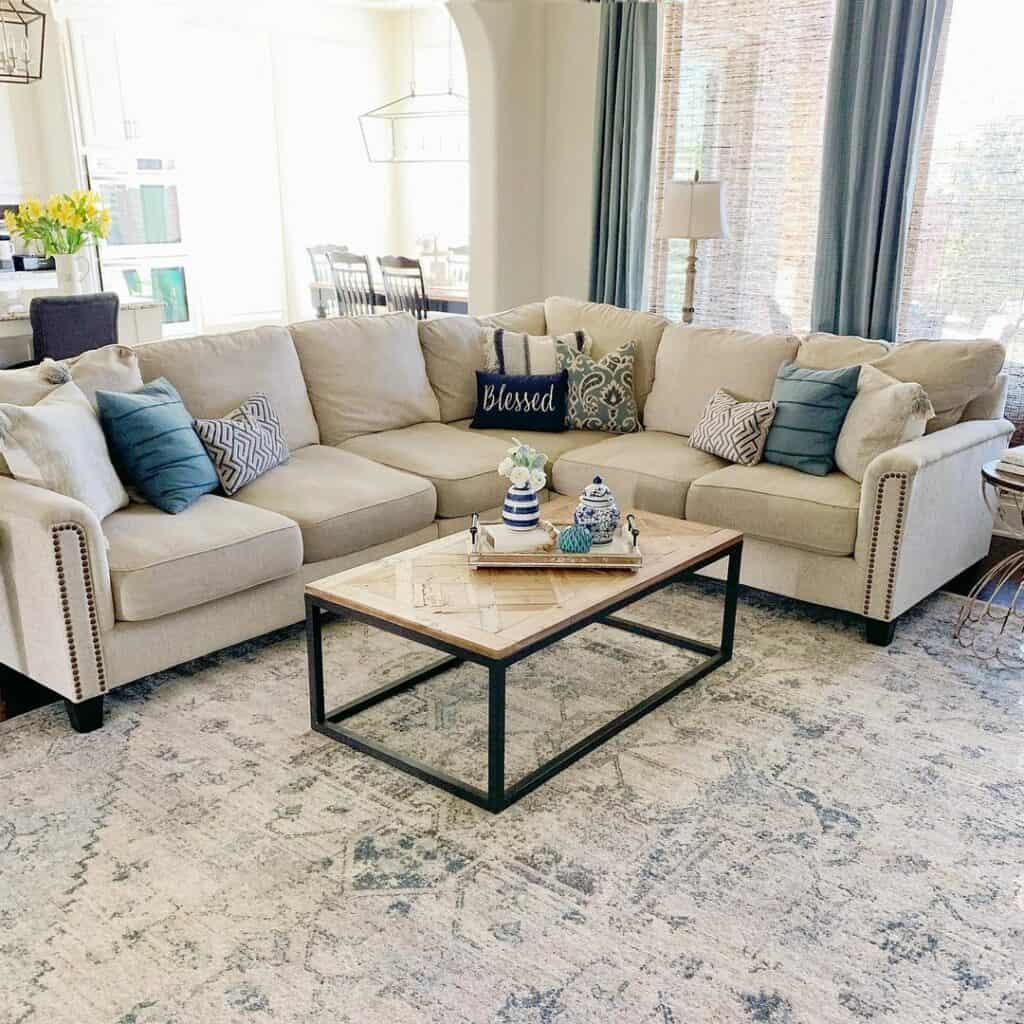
64,326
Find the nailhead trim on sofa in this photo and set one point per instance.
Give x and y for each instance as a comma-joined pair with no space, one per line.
901,509
69,629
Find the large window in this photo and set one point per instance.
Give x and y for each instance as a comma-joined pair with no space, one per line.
743,100
964,271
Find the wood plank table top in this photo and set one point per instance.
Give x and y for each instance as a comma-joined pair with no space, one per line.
432,590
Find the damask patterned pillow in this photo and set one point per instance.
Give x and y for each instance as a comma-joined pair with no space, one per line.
600,390
733,430
244,444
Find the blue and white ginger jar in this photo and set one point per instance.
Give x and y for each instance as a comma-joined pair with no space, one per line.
598,512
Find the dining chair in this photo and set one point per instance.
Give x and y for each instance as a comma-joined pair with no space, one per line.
67,325
353,283
322,289
404,289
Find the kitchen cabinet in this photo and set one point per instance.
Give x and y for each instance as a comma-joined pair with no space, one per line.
122,76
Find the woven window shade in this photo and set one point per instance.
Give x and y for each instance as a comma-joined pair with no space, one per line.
963,274
743,100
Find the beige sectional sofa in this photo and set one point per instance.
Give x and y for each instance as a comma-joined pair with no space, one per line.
376,412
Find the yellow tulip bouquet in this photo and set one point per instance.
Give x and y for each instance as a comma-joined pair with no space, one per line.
67,222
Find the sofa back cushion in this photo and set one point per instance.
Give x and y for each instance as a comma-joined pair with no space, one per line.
694,362
526,319
215,373
112,368
365,374
454,349
610,327
954,373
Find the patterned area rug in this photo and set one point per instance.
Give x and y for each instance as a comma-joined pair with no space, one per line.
819,832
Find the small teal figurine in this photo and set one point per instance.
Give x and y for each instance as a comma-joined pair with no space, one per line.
574,540
598,512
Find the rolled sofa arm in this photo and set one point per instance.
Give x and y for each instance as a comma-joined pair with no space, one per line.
923,517
56,602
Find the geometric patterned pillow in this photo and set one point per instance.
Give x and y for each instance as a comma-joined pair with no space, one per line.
600,390
732,430
244,444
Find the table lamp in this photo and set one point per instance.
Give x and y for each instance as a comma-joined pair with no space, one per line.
694,210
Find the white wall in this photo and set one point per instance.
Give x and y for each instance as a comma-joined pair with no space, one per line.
330,193
21,166
430,198
532,72
572,39
37,152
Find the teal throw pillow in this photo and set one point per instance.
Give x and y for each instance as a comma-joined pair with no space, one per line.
811,406
154,445
600,390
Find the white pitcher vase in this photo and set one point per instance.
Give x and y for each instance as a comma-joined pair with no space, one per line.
72,272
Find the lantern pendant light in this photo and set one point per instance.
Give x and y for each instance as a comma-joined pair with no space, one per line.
22,38
419,127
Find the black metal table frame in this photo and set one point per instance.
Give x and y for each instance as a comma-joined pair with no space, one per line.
498,796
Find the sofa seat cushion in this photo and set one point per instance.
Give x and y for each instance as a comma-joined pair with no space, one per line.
780,504
554,446
342,503
650,471
161,563
461,464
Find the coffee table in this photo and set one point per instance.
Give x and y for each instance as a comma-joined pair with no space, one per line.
497,617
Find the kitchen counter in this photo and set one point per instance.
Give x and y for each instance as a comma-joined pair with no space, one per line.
139,320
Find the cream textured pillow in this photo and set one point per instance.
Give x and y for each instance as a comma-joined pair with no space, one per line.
111,368
527,355
735,431
58,444
953,373
695,362
885,413
527,319
365,374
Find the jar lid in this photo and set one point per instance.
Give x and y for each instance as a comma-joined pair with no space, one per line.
598,491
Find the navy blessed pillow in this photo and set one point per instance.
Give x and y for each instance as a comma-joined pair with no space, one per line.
520,403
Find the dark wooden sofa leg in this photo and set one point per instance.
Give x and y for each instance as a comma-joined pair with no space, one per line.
87,716
878,632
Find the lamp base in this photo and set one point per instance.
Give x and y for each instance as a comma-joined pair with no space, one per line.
691,279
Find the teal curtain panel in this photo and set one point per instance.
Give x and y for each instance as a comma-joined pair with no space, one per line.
624,142
883,61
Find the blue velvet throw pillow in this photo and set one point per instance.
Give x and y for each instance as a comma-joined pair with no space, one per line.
154,446
521,403
811,406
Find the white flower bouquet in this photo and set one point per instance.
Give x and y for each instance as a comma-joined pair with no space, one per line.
524,467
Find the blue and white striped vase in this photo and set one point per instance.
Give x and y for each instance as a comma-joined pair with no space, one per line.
521,510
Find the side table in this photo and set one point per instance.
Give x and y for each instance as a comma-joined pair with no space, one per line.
989,630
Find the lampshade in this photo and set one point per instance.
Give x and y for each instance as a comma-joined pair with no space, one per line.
693,209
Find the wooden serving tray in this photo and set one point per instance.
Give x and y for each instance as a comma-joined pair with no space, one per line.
622,552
